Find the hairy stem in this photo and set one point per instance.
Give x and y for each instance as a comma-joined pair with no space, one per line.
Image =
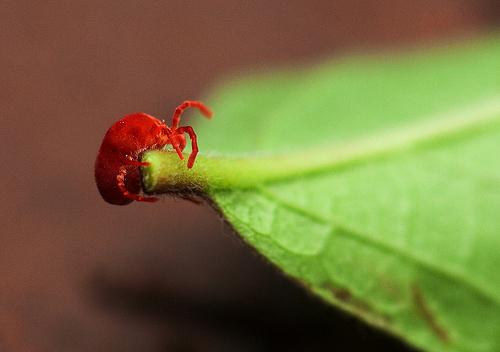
167,173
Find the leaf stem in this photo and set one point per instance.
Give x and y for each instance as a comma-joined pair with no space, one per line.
169,174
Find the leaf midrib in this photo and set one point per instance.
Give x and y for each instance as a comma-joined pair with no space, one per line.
246,171
435,128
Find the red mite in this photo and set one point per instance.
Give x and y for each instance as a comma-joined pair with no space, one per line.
117,165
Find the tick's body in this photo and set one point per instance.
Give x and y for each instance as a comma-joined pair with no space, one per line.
117,165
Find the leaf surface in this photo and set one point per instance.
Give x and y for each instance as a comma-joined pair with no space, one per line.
373,181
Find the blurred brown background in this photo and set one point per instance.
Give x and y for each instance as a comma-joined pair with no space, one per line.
77,274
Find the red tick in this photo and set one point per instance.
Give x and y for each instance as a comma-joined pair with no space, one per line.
117,165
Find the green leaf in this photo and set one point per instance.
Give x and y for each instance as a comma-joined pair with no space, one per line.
373,181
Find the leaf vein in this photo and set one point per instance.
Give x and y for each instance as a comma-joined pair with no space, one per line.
480,289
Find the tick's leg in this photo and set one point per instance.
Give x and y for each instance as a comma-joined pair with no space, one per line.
133,162
176,117
120,179
194,144
169,138
182,143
